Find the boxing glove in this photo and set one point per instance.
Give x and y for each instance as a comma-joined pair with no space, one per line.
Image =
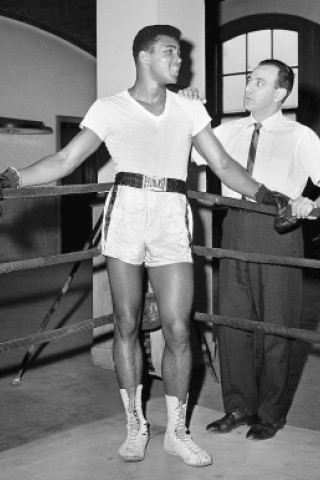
284,220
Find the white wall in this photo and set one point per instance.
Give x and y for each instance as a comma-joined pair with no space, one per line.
42,76
118,21
233,9
189,17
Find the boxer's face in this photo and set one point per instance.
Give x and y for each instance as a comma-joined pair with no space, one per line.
164,60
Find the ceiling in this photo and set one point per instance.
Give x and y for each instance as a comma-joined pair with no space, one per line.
72,20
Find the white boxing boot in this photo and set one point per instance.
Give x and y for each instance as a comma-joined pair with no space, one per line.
134,447
177,441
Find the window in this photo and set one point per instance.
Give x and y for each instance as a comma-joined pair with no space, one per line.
242,53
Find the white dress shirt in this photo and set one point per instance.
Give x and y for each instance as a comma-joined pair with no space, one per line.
288,153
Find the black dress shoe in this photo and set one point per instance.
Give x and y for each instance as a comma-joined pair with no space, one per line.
264,431
229,422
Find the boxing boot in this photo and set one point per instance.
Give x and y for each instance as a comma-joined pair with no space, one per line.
134,447
177,440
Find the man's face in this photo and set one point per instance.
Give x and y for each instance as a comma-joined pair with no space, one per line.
261,92
164,60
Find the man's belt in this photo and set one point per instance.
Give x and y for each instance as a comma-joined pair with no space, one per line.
155,184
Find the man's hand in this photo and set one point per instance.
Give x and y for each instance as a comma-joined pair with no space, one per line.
303,206
192,93
285,220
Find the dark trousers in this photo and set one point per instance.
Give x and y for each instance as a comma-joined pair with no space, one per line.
254,368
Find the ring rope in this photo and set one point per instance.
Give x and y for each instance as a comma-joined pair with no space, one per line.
256,257
27,192
268,328
218,200
9,267
209,198
42,337
56,334
240,323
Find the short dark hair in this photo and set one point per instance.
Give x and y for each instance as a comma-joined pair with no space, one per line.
147,37
285,78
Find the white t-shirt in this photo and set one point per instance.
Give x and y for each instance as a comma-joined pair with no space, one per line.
141,142
288,153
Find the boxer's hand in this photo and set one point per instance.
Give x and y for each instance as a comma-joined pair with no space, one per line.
192,93
9,179
284,219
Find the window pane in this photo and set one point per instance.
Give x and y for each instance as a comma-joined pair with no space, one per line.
292,100
234,55
233,92
259,47
285,46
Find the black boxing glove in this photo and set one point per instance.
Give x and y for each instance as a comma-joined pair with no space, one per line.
284,220
10,179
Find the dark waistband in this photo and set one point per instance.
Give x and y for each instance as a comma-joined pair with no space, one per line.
155,184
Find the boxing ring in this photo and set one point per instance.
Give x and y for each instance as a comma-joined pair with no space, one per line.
152,323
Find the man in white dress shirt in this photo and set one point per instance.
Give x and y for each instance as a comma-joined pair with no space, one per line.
286,155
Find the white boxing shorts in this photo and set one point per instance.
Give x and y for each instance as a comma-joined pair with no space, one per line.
143,226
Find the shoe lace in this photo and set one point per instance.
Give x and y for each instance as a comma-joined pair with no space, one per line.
133,430
183,434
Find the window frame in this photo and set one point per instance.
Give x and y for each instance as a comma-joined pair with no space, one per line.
247,70
309,82
308,111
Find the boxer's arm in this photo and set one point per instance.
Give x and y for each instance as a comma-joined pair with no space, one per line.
232,174
62,163
53,167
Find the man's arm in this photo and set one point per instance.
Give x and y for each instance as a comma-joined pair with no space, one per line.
237,178
62,163
230,172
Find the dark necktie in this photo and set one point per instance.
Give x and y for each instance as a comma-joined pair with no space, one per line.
253,147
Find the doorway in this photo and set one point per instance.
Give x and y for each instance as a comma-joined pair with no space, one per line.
76,210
